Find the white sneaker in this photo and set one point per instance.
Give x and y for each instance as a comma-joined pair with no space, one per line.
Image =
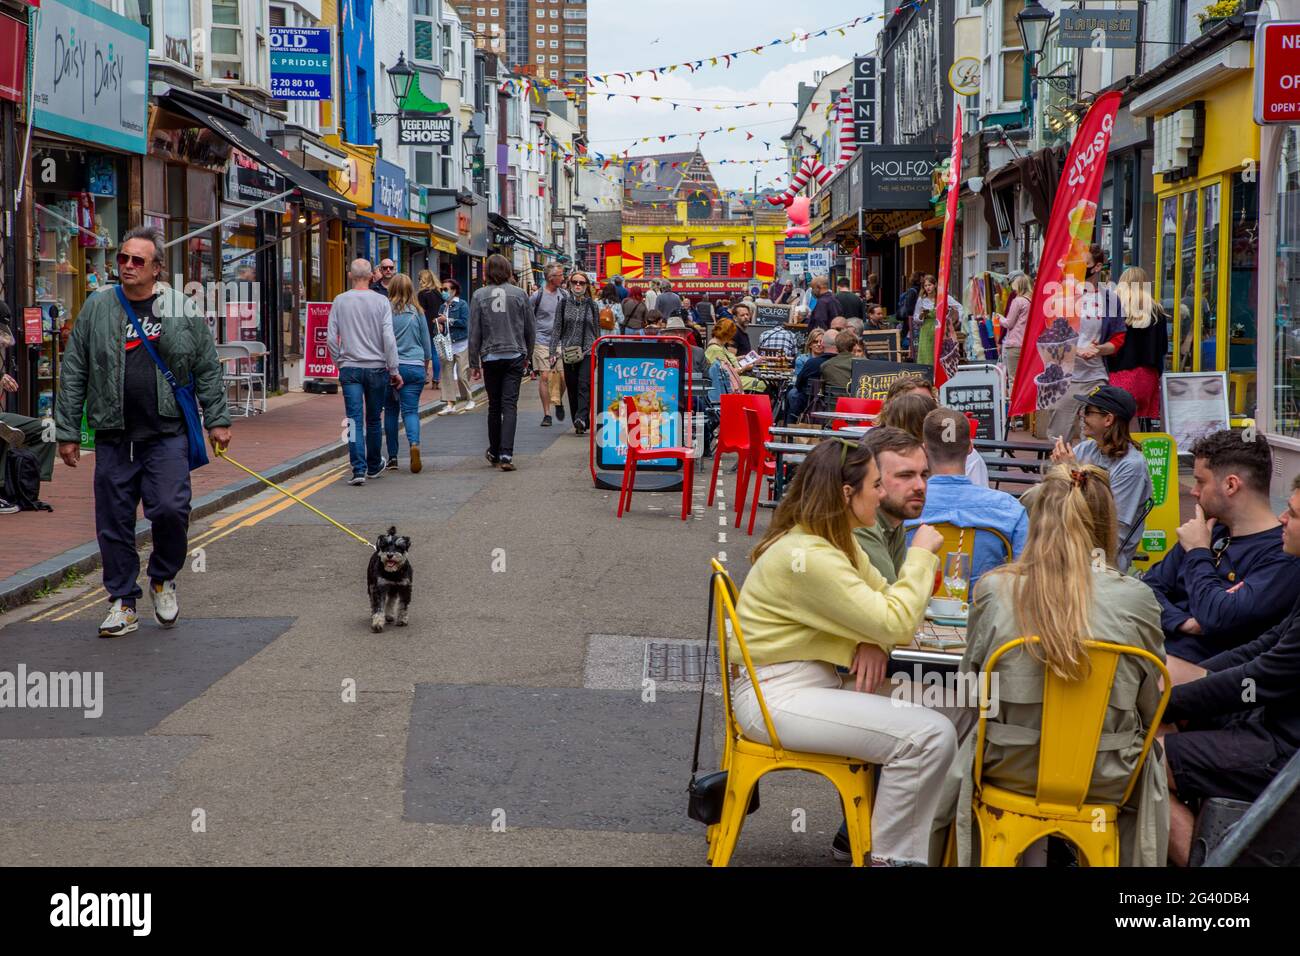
166,609
469,406
447,409
121,620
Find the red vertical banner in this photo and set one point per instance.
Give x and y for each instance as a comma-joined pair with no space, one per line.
319,362
947,350
1052,332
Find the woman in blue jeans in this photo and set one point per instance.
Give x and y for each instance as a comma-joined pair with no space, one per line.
415,364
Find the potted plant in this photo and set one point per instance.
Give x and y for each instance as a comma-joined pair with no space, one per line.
1217,12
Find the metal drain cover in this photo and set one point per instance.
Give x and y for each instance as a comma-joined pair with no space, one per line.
679,661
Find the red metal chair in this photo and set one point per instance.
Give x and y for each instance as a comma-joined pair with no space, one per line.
763,408
761,465
637,452
856,406
733,438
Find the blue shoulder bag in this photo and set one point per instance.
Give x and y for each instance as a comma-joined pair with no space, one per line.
185,400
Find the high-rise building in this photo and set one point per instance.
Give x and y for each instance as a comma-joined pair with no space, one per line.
546,38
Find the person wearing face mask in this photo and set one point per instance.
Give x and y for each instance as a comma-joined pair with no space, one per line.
454,320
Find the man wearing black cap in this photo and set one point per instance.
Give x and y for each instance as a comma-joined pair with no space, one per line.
1107,412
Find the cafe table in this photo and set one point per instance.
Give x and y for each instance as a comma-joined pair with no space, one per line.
935,647
853,418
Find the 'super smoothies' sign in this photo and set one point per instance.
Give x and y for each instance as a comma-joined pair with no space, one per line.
92,75
655,384
319,363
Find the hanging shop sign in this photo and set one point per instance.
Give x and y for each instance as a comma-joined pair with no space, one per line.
13,58
424,130
95,85
301,63
1098,29
964,76
390,189
248,181
864,100
1277,73
899,177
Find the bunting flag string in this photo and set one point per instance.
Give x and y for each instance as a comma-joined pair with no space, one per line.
627,76
685,105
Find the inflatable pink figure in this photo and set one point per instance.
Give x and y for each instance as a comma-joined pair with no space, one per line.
799,214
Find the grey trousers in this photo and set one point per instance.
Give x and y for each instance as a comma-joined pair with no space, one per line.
33,430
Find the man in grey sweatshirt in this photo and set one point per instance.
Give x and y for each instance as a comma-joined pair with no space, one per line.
362,344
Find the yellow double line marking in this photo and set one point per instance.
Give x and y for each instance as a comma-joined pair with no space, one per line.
227,524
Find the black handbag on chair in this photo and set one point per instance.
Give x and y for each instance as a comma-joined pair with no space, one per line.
706,791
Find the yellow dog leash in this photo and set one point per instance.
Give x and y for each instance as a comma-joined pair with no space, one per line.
221,453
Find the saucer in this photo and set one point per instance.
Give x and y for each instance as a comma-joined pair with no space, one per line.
952,621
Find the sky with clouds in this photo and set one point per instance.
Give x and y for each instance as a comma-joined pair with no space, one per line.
675,31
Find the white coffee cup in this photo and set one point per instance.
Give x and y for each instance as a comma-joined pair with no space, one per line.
948,607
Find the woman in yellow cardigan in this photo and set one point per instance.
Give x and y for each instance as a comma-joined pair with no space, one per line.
813,601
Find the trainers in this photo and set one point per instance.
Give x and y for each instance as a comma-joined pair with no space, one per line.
357,480
8,507
11,436
469,406
392,464
559,413
546,421
492,459
376,474
416,465
841,851
166,609
447,409
507,463
121,620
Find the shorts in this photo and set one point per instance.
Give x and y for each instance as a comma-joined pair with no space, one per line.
542,359
1235,757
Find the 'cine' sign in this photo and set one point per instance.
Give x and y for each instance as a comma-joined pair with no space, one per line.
1277,73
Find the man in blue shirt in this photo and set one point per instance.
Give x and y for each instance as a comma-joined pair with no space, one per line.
952,498
1228,579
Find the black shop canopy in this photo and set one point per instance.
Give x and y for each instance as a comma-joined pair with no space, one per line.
310,191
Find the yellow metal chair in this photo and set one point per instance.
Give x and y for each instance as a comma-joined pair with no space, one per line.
957,540
746,761
1069,735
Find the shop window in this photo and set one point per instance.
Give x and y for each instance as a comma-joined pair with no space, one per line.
79,218
1243,283
1209,313
1186,321
1168,239
1012,53
1286,400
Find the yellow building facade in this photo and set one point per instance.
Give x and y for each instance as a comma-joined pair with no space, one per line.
702,256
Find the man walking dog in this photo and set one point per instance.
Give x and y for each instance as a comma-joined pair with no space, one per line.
141,443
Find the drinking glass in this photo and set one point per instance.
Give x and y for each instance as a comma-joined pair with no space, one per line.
956,575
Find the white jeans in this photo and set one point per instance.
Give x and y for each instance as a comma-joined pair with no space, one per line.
913,745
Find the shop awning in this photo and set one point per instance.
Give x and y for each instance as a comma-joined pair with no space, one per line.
405,227
515,234
311,192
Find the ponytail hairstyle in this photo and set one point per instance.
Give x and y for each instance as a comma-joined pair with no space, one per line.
1071,519
815,499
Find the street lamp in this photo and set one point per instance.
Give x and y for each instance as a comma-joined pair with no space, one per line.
1033,22
400,80
470,139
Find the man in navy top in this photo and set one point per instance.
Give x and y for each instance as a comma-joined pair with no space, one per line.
952,498
1238,714
1228,579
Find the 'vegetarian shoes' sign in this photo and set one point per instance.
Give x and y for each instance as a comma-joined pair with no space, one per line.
92,75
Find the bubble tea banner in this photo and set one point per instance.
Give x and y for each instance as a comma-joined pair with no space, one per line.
1051,337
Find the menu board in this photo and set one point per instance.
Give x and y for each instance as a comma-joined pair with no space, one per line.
1195,404
872,379
319,363
655,373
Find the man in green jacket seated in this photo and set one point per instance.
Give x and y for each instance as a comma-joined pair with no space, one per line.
141,445
903,473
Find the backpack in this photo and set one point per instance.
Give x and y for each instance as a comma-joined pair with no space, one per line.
607,321
22,480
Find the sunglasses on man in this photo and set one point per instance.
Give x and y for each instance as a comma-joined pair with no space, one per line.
137,261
